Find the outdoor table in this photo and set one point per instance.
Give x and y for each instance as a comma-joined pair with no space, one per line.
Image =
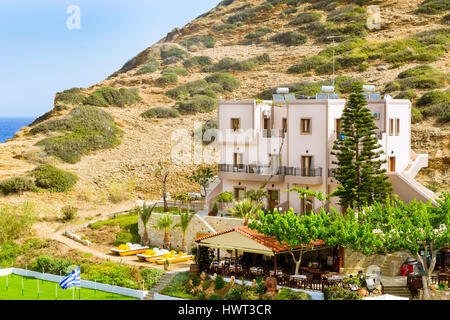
298,279
279,273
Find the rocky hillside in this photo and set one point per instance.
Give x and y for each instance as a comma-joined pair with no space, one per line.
239,49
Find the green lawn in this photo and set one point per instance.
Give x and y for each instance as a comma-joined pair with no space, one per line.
47,291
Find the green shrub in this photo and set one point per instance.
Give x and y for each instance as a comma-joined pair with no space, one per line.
9,251
109,272
306,17
122,238
168,78
219,283
171,60
237,292
261,32
226,80
151,277
69,213
107,96
226,64
149,67
197,103
206,92
85,129
286,294
174,52
338,293
223,64
51,265
348,14
53,179
214,296
434,97
225,197
242,16
176,70
161,113
440,110
420,77
226,26
290,38
17,185
186,89
207,41
409,94
197,61
16,221
434,6
70,96
416,116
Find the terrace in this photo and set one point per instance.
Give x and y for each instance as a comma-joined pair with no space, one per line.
245,253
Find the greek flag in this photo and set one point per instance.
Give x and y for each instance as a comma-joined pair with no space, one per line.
73,279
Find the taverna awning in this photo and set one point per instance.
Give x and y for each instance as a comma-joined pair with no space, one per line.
248,240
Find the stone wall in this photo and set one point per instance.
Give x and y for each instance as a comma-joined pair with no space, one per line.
356,261
204,225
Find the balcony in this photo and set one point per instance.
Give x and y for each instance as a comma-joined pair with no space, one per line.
251,172
311,176
273,133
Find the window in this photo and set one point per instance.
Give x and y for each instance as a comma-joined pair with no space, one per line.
235,124
305,126
391,127
397,127
284,125
266,123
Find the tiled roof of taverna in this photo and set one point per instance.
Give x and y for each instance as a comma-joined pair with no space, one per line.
270,242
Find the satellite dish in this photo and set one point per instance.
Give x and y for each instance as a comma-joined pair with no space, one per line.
387,97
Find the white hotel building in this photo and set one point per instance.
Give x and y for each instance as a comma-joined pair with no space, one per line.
288,141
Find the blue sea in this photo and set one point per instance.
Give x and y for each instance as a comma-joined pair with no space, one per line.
9,127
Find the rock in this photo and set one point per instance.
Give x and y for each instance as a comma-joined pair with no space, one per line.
381,67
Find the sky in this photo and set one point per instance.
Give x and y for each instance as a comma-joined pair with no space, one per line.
42,50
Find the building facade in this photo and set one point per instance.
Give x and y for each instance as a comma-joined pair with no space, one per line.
287,142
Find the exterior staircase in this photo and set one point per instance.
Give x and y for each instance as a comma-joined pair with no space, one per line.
400,291
161,284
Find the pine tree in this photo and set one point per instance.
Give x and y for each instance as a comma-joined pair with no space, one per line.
359,173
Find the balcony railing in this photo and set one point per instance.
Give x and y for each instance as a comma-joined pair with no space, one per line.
304,172
273,133
252,169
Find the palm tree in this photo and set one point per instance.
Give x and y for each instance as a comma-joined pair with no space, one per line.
145,214
245,209
185,220
165,223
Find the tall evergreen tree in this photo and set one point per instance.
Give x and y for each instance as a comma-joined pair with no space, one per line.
360,174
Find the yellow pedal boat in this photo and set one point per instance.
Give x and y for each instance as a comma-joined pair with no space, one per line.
165,256
151,254
180,257
125,250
